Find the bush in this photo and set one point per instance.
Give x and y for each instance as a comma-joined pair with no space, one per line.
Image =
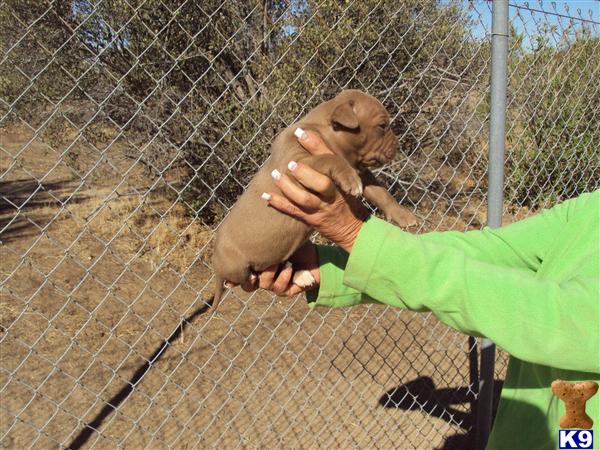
555,133
207,85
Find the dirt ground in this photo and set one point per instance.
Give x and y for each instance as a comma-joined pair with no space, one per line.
100,266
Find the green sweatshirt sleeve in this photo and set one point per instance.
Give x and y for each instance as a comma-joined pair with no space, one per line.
333,292
482,283
522,244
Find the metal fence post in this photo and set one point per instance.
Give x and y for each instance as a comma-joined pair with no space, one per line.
495,196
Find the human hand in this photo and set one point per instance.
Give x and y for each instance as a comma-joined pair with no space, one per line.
284,282
316,201
280,278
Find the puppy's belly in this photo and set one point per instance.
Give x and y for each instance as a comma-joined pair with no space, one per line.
255,236
267,236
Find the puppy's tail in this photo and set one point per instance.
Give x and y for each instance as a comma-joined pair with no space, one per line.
219,289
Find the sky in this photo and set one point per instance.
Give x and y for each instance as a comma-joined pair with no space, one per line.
526,20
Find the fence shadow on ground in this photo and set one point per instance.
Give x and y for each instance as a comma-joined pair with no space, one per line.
421,394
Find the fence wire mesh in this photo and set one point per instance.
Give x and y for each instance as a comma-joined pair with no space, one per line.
130,127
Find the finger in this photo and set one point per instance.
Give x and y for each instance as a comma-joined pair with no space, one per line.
312,142
297,194
292,290
311,179
266,277
282,282
282,204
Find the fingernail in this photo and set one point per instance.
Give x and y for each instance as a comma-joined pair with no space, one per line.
265,196
300,134
276,174
288,264
292,165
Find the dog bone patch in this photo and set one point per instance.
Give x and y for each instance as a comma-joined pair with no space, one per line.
575,395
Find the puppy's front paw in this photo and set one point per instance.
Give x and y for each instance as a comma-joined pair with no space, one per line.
349,182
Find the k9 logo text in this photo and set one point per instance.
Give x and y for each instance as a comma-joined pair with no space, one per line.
569,439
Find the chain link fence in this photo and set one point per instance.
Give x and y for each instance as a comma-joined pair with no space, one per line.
128,129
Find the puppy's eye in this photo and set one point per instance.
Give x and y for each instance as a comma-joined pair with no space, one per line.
383,126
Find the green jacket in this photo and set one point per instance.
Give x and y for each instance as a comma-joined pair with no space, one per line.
531,287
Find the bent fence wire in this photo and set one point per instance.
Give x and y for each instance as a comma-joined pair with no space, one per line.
128,130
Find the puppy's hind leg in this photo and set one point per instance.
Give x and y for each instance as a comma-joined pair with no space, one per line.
219,290
304,279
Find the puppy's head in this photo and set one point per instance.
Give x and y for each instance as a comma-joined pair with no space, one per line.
361,129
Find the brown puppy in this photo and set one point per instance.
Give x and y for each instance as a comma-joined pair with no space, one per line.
356,127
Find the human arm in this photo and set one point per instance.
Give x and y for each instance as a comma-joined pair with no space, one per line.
484,282
533,318
522,244
490,289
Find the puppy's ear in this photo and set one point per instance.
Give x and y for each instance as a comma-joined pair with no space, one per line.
344,115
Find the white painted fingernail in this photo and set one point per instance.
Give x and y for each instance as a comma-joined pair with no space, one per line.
292,165
304,278
300,133
276,174
265,196
288,264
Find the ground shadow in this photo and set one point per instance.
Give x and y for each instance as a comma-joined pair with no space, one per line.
21,203
422,395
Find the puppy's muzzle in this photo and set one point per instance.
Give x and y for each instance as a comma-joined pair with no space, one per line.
381,156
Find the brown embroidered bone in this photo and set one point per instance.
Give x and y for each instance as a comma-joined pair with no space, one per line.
575,395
